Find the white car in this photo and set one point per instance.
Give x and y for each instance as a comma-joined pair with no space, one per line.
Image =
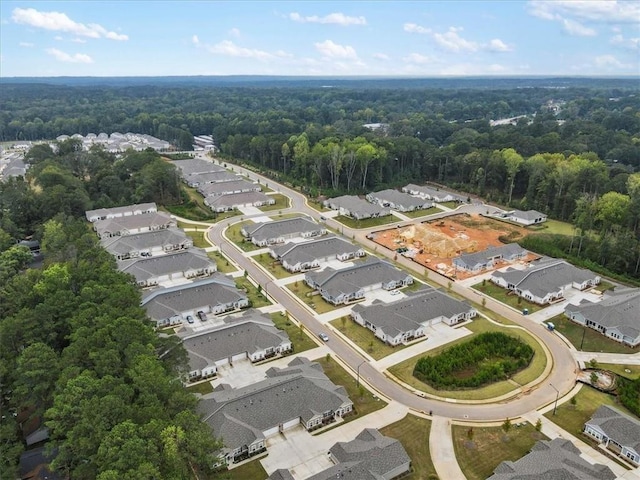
395,292
324,337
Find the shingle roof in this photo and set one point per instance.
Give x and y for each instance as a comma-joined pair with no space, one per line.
281,474
398,198
233,199
356,205
432,192
126,209
556,459
266,230
529,215
618,426
294,253
140,241
143,268
224,188
130,222
196,165
503,251
211,177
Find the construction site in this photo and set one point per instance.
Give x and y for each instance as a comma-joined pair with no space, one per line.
434,244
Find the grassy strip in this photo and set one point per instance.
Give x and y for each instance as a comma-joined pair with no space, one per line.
367,222
505,296
422,213
198,239
233,233
316,302
593,341
364,338
301,341
632,374
224,266
271,265
256,297
282,202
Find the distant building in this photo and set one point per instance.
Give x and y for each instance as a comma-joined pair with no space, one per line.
399,201
234,201
116,212
529,217
488,258
303,256
434,194
263,234
196,166
355,207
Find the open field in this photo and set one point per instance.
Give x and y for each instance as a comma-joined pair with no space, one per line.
593,341
224,265
367,222
198,239
364,338
413,433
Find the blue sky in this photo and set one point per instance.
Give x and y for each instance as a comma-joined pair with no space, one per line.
428,38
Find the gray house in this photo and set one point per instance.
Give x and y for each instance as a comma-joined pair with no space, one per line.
147,244
399,201
225,188
355,207
198,179
115,212
435,194
399,322
170,306
350,284
550,460
269,233
618,432
232,201
487,259
245,417
132,224
251,336
616,316
299,257
151,271
196,166
528,217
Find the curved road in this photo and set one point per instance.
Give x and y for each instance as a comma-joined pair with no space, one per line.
559,382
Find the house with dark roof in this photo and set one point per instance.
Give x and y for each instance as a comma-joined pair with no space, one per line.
238,185
350,284
528,217
303,256
616,316
151,271
546,281
556,459
34,465
616,431
233,201
434,194
196,166
171,306
355,207
281,474
488,258
269,233
132,224
198,179
404,320
399,201
147,244
116,212
299,394
251,336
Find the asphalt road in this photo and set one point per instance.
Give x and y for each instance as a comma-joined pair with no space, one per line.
560,381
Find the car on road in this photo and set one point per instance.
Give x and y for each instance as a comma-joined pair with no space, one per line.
324,337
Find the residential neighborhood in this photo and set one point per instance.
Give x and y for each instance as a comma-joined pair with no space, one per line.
303,256
268,233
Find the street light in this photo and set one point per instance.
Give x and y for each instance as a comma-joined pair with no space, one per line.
358,373
584,330
555,405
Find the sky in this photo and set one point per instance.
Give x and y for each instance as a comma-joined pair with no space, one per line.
381,38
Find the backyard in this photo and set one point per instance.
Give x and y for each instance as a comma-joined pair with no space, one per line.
249,470
367,222
422,213
587,339
505,296
198,238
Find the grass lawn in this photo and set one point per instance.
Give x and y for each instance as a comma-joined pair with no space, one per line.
413,433
194,209
247,471
633,373
318,206
316,302
256,298
298,337
422,213
202,388
198,239
367,222
451,205
404,370
593,341
557,227
363,400
364,338
480,457
224,265
505,296
233,233
282,202
271,266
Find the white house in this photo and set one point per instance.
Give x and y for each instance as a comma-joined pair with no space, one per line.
434,194
529,217
488,258
234,201
116,212
263,234
152,271
399,201
147,244
303,256
618,432
355,207
133,224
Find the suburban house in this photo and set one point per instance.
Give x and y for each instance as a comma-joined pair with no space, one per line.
251,336
299,257
350,284
552,459
530,217
226,188
487,259
617,316
434,194
132,224
618,432
115,212
399,322
355,207
232,201
198,179
170,306
269,233
196,166
147,244
151,271
546,281
399,201
299,394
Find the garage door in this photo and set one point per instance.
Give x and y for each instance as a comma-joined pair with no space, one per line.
290,423
163,278
239,356
271,432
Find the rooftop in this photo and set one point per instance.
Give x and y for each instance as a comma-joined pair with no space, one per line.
140,241
233,199
221,188
144,268
294,253
356,205
131,222
288,226
193,166
618,426
398,198
124,210
503,251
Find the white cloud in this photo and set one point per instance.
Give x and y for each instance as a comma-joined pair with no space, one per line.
235,32
330,49
577,29
497,45
230,49
418,59
620,11
60,22
78,40
195,40
65,57
58,38
381,56
631,43
26,44
453,42
333,18
414,28
609,61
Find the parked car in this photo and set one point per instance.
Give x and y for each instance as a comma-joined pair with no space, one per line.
190,319
202,316
324,337
395,292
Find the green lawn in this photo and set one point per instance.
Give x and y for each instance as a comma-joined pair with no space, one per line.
256,297
270,265
367,222
198,239
194,209
557,227
452,205
316,302
490,446
404,370
233,233
248,471
318,206
282,202
593,341
364,338
224,265
505,296
202,388
297,335
422,213
633,373
413,433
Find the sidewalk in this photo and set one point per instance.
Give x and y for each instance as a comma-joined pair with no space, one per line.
619,358
441,448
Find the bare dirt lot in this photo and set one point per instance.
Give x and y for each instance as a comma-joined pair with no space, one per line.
435,243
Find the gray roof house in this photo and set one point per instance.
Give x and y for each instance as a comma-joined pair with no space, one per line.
616,316
618,432
401,321
545,281
224,203
435,194
350,284
399,201
370,456
556,459
269,233
170,306
487,259
198,179
299,257
298,394
225,188
529,217
355,207
132,224
252,335
194,166
151,271
104,213
147,244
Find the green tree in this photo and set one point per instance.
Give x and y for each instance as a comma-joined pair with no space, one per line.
506,426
